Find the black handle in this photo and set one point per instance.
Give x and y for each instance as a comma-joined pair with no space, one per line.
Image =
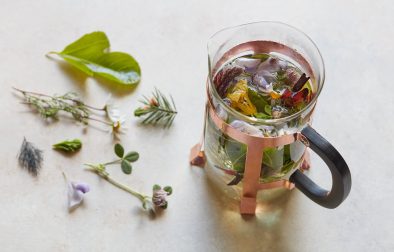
341,179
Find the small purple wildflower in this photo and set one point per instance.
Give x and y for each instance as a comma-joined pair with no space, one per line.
76,193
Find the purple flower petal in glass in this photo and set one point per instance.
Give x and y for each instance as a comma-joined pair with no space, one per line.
261,83
249,65
272,65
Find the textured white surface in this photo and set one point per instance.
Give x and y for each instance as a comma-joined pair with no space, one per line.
168,38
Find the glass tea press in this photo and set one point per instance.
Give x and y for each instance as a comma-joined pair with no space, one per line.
262,153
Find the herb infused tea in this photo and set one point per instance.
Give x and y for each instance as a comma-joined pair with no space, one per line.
261,86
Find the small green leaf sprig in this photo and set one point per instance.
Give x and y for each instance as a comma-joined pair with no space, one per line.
124,160
49,106
157,109
151,203
68,145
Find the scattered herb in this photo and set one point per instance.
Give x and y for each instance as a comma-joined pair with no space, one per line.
68,145
30,157
157,109
49,107
124,160
91,55
158,198
75,193
113,114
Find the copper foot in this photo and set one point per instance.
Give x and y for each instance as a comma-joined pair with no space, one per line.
248,206
197,156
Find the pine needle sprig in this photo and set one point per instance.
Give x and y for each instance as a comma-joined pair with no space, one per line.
157,110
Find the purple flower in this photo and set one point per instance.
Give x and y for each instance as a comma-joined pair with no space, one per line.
249,65
260,80
272,65
76,193
159,197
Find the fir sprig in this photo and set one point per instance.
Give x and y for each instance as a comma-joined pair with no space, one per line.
157,110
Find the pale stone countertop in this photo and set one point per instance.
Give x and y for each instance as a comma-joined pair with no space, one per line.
168,38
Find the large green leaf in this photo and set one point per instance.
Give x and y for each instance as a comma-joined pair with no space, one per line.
91,55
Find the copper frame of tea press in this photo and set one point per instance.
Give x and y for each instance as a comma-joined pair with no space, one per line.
254,156
255,144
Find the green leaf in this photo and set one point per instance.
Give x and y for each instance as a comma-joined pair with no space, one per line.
257,100
126,167
68,145
262,56
168,189
119,150
164,206
156,187
90,54
132,156
268,110
262,116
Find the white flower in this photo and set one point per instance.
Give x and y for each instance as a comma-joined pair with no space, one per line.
118,127
117,119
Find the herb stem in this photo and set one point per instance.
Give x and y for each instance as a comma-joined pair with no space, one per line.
100,171
126,188
49,96
113,162
98,120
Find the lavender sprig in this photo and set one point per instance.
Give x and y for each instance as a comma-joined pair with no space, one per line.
30,157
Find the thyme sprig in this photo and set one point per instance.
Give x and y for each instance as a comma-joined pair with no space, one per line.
157,109
48,106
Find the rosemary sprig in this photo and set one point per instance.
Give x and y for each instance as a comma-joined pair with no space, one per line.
157,109
49,106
